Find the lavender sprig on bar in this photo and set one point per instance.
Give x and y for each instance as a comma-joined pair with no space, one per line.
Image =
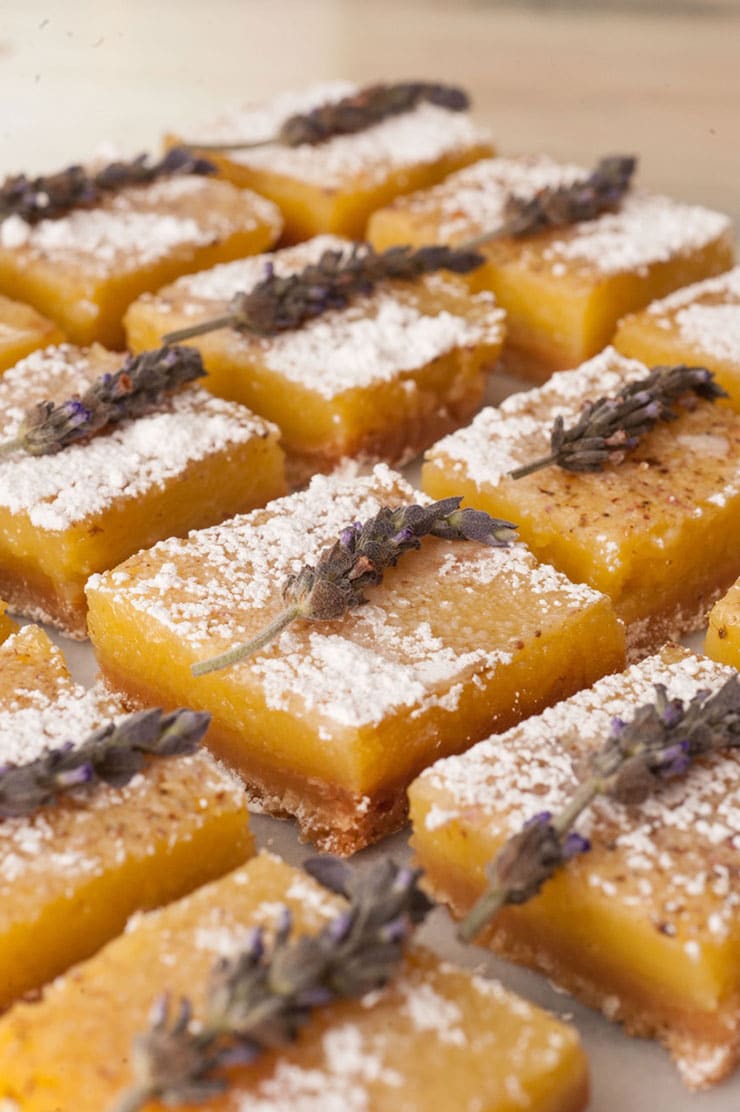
357,112
261,998
364,551
53,195
139,385
556,206
280,304
110,755
609,428
660,742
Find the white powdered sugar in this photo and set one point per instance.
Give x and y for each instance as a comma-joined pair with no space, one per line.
645,230
648,494
39,723
705,317
374,339
140,225
723,287
423,135
124,462
210,589
670,857
504,437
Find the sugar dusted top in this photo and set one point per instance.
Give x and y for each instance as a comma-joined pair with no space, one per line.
139,226
221,585
385,1051
423,135
651,492
59,491
399,327
706,316
674,858
645,230
58,847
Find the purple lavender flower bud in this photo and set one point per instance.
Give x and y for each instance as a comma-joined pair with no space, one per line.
84,774
574,845
674,761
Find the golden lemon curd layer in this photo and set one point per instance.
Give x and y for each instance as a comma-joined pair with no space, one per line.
331,721
71,874
698,325
7,625
646,925
565,289
723,635
85,268
335,186
23,330
382,378
432,1031
659,532
190,461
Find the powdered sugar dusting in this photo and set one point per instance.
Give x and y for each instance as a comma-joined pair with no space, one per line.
58,491
140,225
673,860
685,470
705,317
645,230
423,135
221,585
375,339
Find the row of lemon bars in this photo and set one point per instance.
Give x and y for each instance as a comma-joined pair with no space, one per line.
601,519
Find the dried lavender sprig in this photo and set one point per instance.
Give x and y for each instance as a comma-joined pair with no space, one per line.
53,195
556,206
111,755
660,742
259,999
358,559
129,392
609,428
277,304
357,112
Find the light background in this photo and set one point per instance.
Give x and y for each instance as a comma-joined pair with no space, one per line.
577,80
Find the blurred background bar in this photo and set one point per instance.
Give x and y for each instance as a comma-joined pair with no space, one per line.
574,79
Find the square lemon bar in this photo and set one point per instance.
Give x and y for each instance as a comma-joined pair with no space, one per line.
335,185
332,720
659,532
191,460
644,926
699,324
83,269
23,330
382,378
723,635
7,625
432,1030
72,873
563,289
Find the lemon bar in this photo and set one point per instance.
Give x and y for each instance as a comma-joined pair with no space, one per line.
382,378
335,185
699,324
190,461
72,873
644,926
23,330
7,626
659,532
563,289
331,722
723,635
82,270
433,1029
